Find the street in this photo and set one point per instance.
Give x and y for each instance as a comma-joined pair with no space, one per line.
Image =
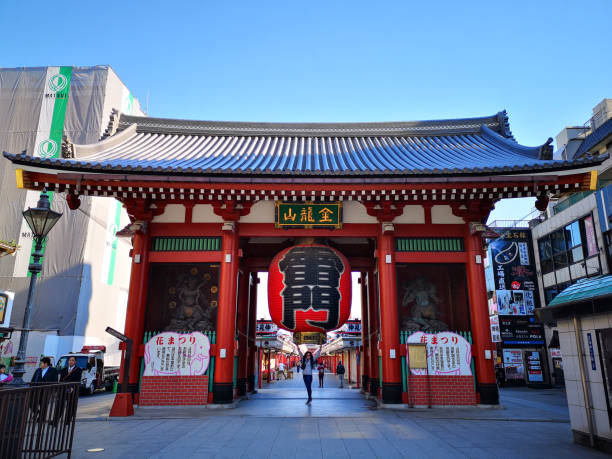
339,423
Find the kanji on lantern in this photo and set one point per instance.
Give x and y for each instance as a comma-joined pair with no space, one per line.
309,288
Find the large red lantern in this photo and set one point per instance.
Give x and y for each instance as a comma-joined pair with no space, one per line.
309,288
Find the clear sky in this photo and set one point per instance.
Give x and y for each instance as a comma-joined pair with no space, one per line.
546,62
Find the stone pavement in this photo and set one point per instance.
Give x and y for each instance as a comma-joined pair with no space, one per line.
340,423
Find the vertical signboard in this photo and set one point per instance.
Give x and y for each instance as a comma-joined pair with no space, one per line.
48,144
514,272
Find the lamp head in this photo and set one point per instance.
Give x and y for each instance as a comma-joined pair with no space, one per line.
41,218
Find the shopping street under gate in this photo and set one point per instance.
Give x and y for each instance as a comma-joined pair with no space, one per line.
275,422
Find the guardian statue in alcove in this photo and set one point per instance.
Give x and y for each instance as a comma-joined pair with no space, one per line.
422,294
192,312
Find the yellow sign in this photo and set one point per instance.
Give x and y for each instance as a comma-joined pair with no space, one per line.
309,337
417,356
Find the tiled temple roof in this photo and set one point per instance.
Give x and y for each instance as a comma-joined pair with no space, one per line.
469,146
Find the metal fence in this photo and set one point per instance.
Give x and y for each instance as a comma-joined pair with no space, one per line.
37,421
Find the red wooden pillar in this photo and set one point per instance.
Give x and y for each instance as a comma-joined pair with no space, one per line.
226,317
480,324
374,332
389,318
259,363
365,335
348,361
357,365
252,344
134,320
243,324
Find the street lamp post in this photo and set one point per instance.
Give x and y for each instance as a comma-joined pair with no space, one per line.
40,219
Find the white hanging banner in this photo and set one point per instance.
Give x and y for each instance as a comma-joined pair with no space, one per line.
447,354
177,354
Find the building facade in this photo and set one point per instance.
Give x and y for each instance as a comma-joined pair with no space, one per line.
572,244
83,286
204,198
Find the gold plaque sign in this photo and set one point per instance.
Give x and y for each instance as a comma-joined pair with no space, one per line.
417,356
309,337
308,215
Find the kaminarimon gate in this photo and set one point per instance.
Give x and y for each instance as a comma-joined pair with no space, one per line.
211,204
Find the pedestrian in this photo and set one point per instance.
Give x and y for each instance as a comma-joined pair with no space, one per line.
281,371
308,364
5,378
72,373
321,369
340,373
45,373
297,366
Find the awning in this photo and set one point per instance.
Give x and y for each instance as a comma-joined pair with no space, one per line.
587,296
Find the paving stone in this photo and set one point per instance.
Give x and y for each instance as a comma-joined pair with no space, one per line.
275,423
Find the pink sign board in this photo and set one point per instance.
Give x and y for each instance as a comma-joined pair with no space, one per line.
177,354
447,354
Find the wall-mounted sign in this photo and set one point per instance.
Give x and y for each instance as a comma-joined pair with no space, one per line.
534,367
177,354
309,288
308,215
266,327
447,354
517,330
309,338
514,272
6,306
513,364
417,356
495,335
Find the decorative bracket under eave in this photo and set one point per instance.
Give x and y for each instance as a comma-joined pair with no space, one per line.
232,210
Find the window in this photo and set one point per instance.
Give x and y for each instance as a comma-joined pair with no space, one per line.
551,292
559,248
546,258
574,242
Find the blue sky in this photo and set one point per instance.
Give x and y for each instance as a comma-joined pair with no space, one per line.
546,62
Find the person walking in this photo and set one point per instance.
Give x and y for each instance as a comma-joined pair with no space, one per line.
45,373
308,364
321,369
340,373
5,378
281,371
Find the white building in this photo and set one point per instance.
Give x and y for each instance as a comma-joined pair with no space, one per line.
85,277
573,247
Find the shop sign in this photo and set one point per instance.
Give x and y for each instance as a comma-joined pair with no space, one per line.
534,367
513,364
308,215
448,354
266,327
555,353
591,352
351,328
525,331
177,354
495,335
514,272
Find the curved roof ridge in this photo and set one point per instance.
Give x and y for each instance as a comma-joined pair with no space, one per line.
542,152
497,123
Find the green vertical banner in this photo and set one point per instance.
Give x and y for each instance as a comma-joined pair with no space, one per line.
48,144
109,258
